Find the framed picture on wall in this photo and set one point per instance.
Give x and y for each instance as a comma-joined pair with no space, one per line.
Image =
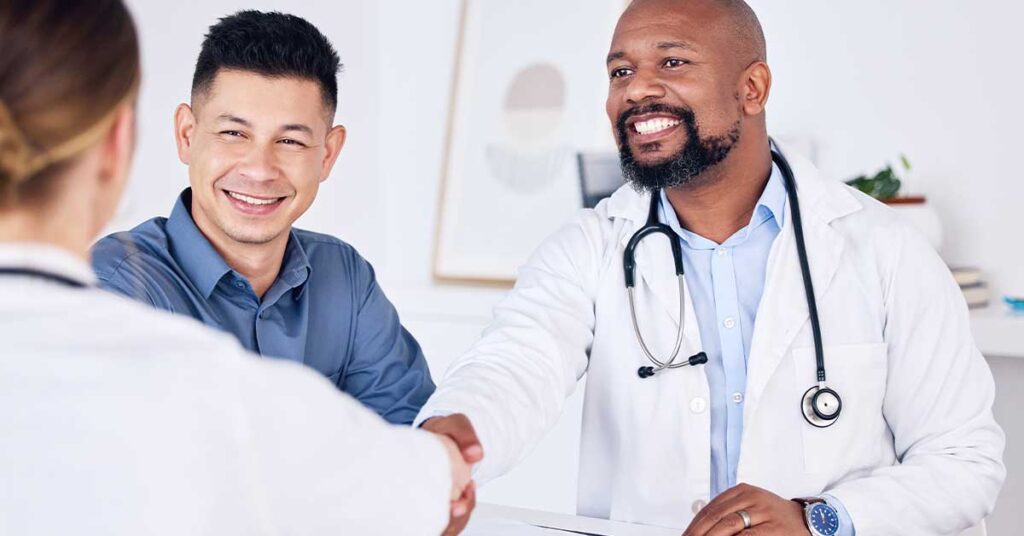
528,93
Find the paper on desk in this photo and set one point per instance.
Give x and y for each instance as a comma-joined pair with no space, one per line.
497,520
507,527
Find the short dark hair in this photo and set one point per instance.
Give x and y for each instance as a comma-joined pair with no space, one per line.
270,44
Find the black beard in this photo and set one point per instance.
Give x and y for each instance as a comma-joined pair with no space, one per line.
694,157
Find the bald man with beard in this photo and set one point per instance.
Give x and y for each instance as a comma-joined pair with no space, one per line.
915,449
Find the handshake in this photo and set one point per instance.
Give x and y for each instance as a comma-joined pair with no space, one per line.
463,447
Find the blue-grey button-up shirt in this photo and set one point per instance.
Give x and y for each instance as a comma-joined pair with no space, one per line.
726,282
324,310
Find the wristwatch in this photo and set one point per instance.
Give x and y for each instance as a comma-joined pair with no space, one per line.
821,518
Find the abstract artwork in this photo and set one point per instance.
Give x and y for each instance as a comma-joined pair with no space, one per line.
528,94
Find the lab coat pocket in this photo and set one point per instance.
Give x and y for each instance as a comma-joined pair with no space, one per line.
857,373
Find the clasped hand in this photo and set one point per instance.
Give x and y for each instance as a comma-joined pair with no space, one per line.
464,450
770,515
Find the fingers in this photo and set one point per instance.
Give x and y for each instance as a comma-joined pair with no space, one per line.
770,515
724,520
461,511
722,510
460,472
732,524
466,500
460,430
464,435
460,438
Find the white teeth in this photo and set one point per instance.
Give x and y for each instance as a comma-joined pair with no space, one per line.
252,200
652,126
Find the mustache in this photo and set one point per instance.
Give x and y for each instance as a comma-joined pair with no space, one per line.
683,114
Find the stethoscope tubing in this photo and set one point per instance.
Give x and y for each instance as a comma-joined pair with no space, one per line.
817,416
805,269
39,274
671,363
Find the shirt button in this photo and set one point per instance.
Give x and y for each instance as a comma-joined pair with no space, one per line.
698,405
737,397
698,505
729,323
240,284
720,252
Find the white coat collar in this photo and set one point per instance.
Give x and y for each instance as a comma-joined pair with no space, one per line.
46,258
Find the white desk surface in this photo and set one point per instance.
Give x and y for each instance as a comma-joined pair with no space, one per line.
495,520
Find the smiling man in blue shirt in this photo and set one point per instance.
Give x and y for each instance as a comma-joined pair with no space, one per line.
258,140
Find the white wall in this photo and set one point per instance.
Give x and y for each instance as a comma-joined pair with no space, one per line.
869,79
932,78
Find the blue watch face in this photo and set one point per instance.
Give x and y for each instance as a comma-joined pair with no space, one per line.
823,519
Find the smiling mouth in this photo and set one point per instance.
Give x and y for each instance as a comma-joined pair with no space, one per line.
646,129
654,126
252,204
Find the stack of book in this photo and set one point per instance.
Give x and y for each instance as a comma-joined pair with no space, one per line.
973,285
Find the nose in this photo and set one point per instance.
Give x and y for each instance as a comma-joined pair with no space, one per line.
259,164
644,86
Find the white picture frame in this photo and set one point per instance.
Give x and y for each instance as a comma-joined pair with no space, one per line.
528,93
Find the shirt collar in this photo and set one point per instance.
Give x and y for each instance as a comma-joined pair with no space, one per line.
773,200
770,206
295,269
205,267
46,258
193,252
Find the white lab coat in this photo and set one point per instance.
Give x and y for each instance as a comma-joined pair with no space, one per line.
915,451
118,419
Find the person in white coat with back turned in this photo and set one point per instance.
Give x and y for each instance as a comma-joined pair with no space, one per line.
834,386
117,419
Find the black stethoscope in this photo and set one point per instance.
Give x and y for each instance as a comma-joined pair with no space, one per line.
39,274
820,405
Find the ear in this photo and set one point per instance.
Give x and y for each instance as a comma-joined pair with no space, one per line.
118,148
184,131
335,141
756,85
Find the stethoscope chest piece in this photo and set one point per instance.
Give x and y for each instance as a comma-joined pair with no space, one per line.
821,406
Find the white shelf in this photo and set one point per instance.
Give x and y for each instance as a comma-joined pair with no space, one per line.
998,332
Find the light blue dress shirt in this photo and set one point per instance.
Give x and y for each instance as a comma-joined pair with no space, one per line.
726,282
325,308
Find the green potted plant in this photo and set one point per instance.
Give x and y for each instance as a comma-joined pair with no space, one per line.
885,186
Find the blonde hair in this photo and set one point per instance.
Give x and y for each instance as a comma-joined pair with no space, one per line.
66,68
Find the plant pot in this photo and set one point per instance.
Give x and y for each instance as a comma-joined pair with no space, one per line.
920,215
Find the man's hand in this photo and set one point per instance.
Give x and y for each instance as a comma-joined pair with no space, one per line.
461,475
458,429
770,515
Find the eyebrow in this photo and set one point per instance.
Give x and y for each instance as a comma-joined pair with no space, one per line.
234,119
665,45
298,127
661,45
615,56
245,123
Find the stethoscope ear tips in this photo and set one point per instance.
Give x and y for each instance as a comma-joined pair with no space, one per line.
645,372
